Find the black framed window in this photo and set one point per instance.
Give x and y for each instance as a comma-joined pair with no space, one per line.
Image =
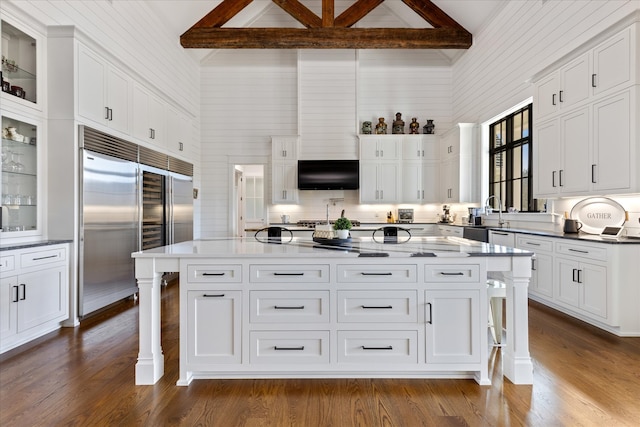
511,162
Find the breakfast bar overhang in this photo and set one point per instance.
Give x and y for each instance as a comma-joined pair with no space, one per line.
300,309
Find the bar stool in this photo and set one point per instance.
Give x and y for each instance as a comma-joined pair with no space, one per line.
496,292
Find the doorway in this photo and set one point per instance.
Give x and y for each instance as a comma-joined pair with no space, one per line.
250,207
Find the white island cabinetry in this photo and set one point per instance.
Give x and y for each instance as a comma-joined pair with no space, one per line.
257,310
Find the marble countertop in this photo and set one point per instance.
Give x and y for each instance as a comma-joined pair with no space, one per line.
449,247
26,245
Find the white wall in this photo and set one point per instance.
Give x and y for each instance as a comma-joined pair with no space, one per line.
321,95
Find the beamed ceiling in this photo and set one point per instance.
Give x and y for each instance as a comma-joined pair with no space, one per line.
327,31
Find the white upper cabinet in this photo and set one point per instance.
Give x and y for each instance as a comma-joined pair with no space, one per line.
285,147
22,61
179,133
613,62
420,147
456,164
588,142
380,147
104,92
149,117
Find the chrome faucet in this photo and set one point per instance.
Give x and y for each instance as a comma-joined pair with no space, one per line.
486,209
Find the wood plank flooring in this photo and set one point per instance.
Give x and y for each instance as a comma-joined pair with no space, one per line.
85,377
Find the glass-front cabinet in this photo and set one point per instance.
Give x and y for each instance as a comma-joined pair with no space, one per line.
19,64
19,180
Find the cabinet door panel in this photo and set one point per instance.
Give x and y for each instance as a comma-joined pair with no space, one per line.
575,174
118,89
612,121
8,306
453,326
214,324
542,275
91,79
546,96
594,298
567,290
547,159
575,82
612,63
42,297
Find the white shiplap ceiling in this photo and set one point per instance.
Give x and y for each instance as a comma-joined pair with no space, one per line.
180,15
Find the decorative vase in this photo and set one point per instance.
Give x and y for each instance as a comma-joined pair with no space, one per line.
366,128
398,125
381,126
414,126
429,127
342,234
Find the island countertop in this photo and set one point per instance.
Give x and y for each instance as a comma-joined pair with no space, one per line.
436,246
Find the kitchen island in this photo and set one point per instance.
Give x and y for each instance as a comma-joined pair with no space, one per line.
251,309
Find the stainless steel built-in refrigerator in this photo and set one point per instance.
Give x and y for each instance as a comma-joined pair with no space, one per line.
126,206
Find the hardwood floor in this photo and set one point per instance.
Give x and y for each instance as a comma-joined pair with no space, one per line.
85,377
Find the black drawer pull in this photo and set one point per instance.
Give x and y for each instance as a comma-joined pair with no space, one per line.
288,274
389,347
288,348
213,296
289,307
579,251
444,273
533,244
364,273
44,257
377,306
213,274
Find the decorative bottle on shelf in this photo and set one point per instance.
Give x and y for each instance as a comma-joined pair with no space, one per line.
414,126
381,126
398,124
366,128
429,128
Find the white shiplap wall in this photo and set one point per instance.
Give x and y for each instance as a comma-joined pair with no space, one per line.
321,95
523,38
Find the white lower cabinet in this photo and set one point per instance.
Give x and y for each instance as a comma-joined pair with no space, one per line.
34,294
330,318
582,286
541,282
214,327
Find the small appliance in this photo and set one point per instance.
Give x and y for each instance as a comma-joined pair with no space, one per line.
474,216
405,216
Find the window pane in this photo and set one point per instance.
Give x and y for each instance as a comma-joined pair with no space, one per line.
517,127
499,171
525,194
499,134
525,123
250,186
517,162
259,187
525,160
517,194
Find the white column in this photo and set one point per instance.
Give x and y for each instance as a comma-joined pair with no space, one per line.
150,365
516,360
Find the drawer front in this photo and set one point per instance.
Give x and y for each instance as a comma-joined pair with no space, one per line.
304,273
214,273
289,306
42,257
534,244
598,253
387,273
7,263
377,347
377,306
289,347
443,273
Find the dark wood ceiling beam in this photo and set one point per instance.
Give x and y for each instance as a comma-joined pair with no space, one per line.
432,14
326,38
328,13
222,13
356,12
300,12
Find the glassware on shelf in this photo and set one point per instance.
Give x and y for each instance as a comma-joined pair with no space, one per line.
19,167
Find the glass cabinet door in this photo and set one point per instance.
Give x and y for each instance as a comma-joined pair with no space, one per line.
19,176
19,63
